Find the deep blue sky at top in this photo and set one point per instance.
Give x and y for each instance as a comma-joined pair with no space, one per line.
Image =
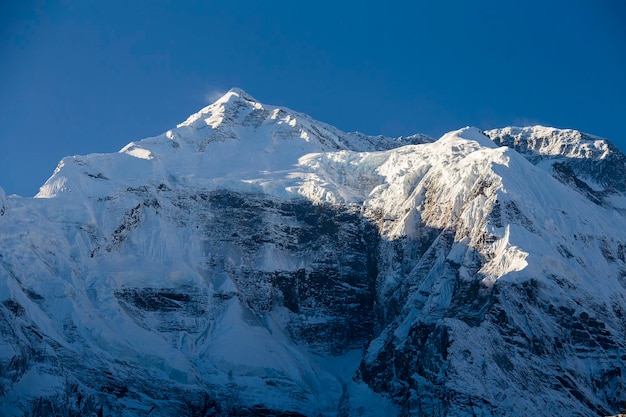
84,76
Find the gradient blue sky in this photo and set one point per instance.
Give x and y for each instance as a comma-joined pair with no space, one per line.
84,76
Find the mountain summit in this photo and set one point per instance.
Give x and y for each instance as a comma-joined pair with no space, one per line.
255,262
232,140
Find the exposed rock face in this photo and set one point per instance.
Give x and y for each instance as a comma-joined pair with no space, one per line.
305,271
254,262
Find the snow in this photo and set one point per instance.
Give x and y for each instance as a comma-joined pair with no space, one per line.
522,222
137,152
235,142
283,165
549,141
469,134
506,259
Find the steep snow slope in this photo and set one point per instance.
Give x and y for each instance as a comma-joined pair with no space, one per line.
253,261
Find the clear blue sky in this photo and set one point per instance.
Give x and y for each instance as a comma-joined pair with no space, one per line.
84,76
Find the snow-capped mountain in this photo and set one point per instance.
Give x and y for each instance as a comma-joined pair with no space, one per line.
235,142
254,261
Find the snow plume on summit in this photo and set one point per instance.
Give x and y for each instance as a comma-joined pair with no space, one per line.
254,261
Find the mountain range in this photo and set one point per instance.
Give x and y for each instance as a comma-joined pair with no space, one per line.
255,262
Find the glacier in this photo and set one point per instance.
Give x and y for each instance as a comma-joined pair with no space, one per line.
254,261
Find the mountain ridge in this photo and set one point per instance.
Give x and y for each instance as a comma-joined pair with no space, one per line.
248,263
242,133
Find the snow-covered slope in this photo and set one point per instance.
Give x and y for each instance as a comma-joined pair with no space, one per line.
253,261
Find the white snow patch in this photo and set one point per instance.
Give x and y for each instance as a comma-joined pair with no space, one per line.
133,150
506,259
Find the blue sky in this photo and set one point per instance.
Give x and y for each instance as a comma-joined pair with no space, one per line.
86,76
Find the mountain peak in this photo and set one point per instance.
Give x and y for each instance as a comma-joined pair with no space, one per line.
471,134
234,95
477,135
238,92
232,141
224,107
